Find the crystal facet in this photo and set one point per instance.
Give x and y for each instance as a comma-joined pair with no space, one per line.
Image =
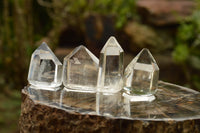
141,77
45,69
80,70
111,67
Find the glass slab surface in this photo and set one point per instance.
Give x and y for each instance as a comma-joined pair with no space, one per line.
172,102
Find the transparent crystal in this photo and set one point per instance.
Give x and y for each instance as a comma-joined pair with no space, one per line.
45,69
80,70
111,67
141,77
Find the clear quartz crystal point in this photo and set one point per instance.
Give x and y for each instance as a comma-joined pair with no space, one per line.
45,69
111,67
80,70
141,77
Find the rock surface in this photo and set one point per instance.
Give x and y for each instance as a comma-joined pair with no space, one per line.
165,12
143,36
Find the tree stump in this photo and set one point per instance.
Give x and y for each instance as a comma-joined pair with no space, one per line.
175,110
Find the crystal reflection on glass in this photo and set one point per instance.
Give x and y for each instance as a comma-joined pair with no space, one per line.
140,109
111,67
45,69
43,95
80,101
108,104
141,77
80,69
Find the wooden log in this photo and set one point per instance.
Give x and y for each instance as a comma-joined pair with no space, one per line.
175,110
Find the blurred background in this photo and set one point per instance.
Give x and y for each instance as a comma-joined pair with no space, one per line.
169,28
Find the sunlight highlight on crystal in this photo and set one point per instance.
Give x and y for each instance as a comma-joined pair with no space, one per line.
45,69
141,77
80,70
111,67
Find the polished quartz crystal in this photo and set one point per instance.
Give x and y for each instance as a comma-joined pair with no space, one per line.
141,77
111,67
80,70
45,69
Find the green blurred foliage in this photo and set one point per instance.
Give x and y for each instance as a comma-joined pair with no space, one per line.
181,53
10,111
121,9
187,51
21,26
76,11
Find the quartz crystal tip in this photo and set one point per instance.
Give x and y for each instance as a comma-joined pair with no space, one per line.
111,67
45,69
80,69
141,75
112,43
